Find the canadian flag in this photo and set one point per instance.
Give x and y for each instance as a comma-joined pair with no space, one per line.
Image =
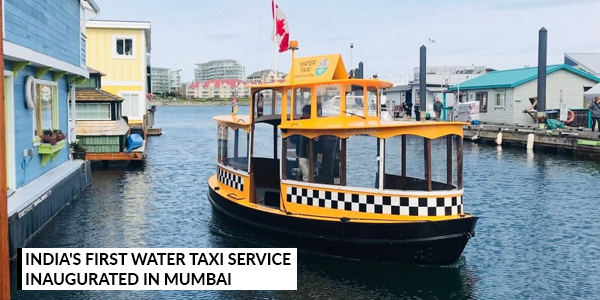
281,33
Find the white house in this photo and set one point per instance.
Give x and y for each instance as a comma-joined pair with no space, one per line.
504,95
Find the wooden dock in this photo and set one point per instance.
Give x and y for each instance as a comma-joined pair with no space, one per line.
154,131
577,141
135,154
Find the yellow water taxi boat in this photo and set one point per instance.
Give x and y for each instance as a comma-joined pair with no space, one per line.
307,189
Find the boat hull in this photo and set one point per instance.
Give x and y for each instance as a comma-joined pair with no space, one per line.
429,243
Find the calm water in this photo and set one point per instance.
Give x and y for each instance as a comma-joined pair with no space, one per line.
538,236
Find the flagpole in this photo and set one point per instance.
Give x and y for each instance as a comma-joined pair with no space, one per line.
275,35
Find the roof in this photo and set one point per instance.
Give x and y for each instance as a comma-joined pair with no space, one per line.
115,24
94,71
216,83
101,128
590,61
514,77
399,88
593,92
92,5
259,73
94,95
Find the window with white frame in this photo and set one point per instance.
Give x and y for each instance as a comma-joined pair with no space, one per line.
500,99
124,47
45,115
93,111
131,105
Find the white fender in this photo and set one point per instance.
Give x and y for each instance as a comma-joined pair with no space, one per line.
499,139
530,140
30,93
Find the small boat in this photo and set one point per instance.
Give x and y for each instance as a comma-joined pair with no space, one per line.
299,190
134,141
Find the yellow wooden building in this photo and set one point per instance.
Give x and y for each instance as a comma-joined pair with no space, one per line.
121,50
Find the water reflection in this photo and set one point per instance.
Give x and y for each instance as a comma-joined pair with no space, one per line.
328,277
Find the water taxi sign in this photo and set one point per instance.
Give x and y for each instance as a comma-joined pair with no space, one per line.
318,68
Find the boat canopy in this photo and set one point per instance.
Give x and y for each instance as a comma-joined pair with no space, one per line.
234,121
347,127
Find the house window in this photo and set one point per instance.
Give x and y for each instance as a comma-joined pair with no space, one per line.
93,111
500,99
131,105
124,47
482,98
45,116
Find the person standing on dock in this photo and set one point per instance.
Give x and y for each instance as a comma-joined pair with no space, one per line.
437,108
595,110
417,111
406,107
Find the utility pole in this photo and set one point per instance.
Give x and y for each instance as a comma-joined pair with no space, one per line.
4,244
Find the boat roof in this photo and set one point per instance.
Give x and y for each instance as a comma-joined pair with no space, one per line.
367,82
234,121
344,127
320,70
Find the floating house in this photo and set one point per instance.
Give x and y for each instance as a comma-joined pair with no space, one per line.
44,54
101,129
504,96
121,50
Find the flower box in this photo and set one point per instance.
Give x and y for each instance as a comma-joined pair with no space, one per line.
48,151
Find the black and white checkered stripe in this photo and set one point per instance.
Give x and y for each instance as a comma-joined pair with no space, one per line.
230,179
390,205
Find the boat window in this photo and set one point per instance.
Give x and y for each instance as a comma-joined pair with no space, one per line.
264,136
328,100
362,164
297,158
409,158
302,98
320,156
267,103
233,148
373,98
222,140
354,100
327,160
288,101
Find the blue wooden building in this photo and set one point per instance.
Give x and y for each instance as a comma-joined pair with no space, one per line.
44,55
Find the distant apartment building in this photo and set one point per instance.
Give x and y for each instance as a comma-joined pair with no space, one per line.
220,69
265,76
165,80
160,80
219,88
175,80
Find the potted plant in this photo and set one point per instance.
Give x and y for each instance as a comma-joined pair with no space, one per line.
78,150
52,137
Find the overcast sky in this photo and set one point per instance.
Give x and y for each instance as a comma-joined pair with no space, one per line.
386,34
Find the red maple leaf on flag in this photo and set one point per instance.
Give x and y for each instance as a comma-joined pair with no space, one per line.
280,27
